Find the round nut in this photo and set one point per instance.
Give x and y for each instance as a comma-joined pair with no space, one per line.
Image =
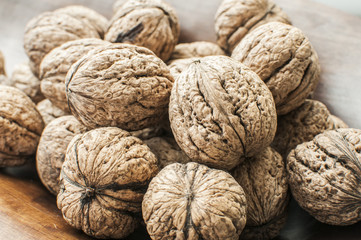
235,18
104,177
20,127
119,85
177,66
48,111
193,201
337,122
221,112
196,49
149,23
324,176
284,59
52,148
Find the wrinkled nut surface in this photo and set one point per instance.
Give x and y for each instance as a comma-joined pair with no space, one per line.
48,111
220,112
193,201
177,66
56,64
121,85
324,176
104,177
48,31
284,59
2,64
196,49
302,125
264,181
149,23
148,133
52,148
20,127
24,79
235,18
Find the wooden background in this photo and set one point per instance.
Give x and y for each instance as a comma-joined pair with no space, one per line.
28,211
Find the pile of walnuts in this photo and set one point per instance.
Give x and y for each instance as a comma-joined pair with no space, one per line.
193,140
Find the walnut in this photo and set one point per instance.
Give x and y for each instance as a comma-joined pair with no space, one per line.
196,49
147,133
84,14
52,148
56,64
235,18
324,176
104,177
193,201
117,5
48,111
48,31
302,125
284,59
220,112
119,85
337,122
177,66
149,23
20,127
264,181
2,64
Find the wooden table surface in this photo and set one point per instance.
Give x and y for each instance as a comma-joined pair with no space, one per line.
28,211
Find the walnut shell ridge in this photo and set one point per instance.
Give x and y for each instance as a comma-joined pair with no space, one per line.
177,66
48,111
119,85
324,176
104,177
196,49
221,112
192,201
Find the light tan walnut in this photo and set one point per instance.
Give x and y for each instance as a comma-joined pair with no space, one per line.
196,49
48,111
177,66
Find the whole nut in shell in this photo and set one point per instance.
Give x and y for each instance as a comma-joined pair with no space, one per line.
325,176
120,85
56,64
48,111
52,148
235,18
177,66
265,184
221,112
104,177
193,201
196,49
284,59
149,23
2,64
20,127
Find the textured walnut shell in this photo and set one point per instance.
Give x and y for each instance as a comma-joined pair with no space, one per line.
148,133
49,112
104,177
264,181
5,81
220,112
120,85
20,127
193,201
284,59
325,176
235,18
56,64
196,49
177,66
302,125
117,5
2,64
48,31
94,19
52,148
149,23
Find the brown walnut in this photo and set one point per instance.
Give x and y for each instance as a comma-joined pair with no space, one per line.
196,49
104,177
191,201
177,66
221,112
284,59
2,64
235,18
20,127
119,85
48,111
325,176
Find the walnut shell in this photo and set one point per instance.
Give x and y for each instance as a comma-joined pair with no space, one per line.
220,112
177,66
149,23
196,49
265,184
5,81
119,85
117,5
52,148
2,64
193,201
235,18
48,31
302,125
284,59
20,127
325,176
56,64
48,111
104,177
148,133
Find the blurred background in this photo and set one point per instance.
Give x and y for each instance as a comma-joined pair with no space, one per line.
350,6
